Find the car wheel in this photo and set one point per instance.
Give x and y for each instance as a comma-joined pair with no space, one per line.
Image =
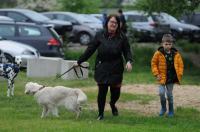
84,38
9,58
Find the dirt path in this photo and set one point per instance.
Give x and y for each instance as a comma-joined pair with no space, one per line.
184,96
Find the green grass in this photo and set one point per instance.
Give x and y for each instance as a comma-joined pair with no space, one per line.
124,97
141,98
22,114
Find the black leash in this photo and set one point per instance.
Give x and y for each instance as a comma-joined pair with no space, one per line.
74,68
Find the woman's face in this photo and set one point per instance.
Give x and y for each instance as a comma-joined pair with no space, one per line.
112,24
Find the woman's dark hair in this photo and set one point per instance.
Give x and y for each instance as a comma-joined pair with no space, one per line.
118,22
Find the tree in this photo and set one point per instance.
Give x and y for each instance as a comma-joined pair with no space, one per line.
37,5
80,6
111,3
173,7
8,3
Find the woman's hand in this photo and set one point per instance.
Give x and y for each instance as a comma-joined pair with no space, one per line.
75,64
128,66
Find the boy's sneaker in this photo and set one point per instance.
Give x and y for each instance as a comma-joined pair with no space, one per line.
171,110
171,114
162,112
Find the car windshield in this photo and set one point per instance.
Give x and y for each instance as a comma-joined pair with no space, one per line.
136,18
92,18
83,19
164,18
36,16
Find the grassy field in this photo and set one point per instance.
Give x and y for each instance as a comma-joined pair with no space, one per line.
21,113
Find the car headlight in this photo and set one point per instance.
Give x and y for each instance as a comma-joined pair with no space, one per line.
95,29
138,30
27,52
141,30
180,29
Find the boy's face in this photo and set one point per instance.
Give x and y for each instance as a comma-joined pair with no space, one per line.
167,45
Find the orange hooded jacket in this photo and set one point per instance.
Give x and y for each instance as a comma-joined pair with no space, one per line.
159,66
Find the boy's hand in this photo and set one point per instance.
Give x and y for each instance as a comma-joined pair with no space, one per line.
158,77
128,66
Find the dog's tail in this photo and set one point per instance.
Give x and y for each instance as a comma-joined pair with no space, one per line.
82,98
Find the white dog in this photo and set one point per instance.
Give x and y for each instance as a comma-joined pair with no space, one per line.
52,97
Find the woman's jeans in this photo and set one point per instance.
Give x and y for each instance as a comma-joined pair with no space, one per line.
166,90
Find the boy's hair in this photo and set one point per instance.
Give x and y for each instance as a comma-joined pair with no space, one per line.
168,38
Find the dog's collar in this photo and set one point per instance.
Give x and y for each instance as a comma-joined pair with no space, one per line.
41,88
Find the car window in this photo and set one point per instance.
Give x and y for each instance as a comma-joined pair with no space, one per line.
197,18
17,17
92,18
65,18
137,18
29,31
2,13
5,18
7,30
158,18
81,18
35,16
49,16
165,18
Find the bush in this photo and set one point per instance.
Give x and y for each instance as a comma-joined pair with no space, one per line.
189,47
142,56
72,55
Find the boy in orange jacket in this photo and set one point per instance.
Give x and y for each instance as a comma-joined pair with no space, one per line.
167,67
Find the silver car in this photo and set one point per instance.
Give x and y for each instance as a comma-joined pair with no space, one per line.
84,27
12,49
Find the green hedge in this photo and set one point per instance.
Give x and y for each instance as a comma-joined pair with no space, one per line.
142,59
189,47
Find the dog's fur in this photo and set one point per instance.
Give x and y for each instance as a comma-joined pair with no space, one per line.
52,97
9,71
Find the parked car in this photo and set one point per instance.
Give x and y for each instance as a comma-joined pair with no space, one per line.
93,19
144,27
178,29
25,15
11,49
44,39
98,16
84,29
193,18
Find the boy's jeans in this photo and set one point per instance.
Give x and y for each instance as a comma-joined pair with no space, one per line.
168,88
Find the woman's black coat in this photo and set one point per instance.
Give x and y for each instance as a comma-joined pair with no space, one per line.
109,65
